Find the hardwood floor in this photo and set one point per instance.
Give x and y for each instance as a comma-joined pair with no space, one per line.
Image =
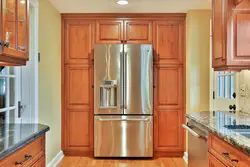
90,162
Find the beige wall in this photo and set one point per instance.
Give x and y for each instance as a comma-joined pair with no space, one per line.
198,58
50,76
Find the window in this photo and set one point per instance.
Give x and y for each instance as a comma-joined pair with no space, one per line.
8,94
225,84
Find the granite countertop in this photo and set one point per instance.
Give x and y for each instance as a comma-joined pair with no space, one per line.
215,121
15,136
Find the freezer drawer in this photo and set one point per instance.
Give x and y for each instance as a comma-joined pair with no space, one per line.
123,136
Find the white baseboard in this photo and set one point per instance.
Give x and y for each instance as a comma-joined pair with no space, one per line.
185,157
56,160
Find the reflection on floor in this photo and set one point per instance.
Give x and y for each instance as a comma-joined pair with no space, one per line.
90,162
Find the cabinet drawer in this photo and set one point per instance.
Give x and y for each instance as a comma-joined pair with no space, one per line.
227,153
26,155
39,163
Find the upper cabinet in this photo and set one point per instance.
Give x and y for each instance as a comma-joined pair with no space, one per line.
231,35
123,31
14,37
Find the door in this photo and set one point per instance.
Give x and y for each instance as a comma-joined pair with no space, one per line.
108,80
123,136
225,91
138,31
138,79
109,31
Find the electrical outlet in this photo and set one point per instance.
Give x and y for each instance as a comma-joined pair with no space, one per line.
243,90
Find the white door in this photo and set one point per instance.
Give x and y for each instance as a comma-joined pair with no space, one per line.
225,94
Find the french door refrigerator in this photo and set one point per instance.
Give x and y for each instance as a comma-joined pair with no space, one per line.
123,100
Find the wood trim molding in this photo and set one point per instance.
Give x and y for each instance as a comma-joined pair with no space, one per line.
147,16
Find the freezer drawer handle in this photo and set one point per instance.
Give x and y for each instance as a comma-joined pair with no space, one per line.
190,130
117,119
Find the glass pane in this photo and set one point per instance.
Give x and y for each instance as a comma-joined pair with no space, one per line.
9,7
12,92
232,86
2,117
12,116
21,24
3,91
3,70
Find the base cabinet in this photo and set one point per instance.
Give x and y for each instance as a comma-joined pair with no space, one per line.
222,154
214,162
32,154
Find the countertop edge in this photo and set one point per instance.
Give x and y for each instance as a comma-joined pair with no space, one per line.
21,144
243,148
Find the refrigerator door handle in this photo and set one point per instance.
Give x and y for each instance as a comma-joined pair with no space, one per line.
121,80
125,80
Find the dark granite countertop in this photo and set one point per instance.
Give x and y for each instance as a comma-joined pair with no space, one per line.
214,122
15,136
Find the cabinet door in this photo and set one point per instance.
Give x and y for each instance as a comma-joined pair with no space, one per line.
79,41
138,32
78,110
219,26
169,41
169,109
168,133
15,29
169,86
214,162
78,87
109,31
40,163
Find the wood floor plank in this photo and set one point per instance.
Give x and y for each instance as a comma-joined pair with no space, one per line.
91,162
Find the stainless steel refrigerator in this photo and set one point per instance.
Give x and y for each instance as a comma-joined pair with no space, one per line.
123,100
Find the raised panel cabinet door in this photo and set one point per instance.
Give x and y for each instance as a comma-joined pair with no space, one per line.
78,87
138,31
169,41
169,87
219,26
168,133
214,162
109,31
78,41
79,131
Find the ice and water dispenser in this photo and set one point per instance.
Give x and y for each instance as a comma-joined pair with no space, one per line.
108,94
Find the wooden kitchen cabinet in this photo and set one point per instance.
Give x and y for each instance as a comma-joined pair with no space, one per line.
123,31
32,153
78,110
169,106
169,41
14,37
226,154
214,162
109,31
230,35
79,41
138,32
167,34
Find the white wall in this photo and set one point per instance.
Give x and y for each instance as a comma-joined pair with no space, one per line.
244,79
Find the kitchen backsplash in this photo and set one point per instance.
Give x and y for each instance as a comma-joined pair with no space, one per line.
244,80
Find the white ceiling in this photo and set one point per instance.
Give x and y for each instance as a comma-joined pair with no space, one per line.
134,6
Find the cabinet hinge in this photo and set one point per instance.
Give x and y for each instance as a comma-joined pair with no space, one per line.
213,94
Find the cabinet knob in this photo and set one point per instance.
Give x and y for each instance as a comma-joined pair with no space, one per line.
7,44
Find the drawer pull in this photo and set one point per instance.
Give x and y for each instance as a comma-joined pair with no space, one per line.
26,156
228,157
